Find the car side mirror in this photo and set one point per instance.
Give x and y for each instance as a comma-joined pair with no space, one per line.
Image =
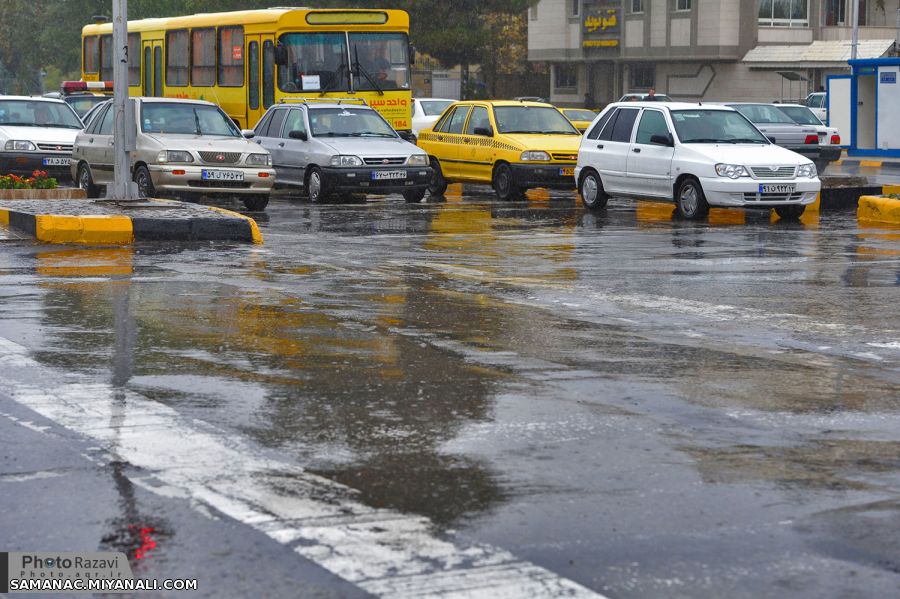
248,133
298,135
281,54
486,131
771,139
662,140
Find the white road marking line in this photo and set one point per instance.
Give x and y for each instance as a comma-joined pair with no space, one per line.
384,552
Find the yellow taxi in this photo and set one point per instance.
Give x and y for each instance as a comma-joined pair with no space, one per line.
511,145
580,117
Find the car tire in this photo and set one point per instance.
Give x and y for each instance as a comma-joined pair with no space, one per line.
690,201
792,212
144,182
86,182
256,204
438,185
316,185
503,184
414,196
591,189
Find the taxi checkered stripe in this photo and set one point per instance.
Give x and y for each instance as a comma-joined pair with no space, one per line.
474,140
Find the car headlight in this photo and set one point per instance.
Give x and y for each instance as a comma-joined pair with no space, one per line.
174,156
259,160
534,156
417,160
19,145
344,160
732,171
807,170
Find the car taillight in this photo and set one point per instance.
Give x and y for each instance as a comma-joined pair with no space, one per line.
835,140
812,139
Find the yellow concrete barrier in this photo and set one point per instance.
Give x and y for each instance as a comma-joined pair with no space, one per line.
90,229
878,209
889,189
871,163
254,228
4,217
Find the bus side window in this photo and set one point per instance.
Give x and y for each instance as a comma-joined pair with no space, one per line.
268,73
231,56
157,71
253,75
148,69
91,57
134,59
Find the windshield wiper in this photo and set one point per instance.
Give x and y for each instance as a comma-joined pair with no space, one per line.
745,140
331,134
370,133
524,131
341,68
20,125
703,140
197,122
561,133
359,69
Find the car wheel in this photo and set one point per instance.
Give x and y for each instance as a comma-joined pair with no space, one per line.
414,196
438,184
504,186
144,182
592,193
690,202
257,204
86,182
792,212
316,186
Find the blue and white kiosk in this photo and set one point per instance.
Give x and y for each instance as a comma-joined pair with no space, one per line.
866,104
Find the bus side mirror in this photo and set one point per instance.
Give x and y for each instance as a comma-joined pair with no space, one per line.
281,54
412,54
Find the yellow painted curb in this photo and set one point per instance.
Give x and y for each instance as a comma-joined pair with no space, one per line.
91,229
4,217
871,163
838,162
814,207
878,209
254,228
889,189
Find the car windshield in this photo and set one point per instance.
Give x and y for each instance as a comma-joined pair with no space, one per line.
315,62
800,114
762,114
348,122
434,107
714,126
82,104
37,113
580,115
532,119
189,119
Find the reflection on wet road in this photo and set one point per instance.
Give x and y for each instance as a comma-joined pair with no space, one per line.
646,407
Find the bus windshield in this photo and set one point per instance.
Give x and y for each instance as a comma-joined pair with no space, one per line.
348,122
315,62
186,118
36,113
380,61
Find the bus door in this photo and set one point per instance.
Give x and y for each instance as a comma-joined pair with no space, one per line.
152,68
260,63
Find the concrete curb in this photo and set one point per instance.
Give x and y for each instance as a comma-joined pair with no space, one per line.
867,163
43,194
125,229
879,209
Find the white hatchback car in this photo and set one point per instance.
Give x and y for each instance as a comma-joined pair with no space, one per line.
697,155
427,111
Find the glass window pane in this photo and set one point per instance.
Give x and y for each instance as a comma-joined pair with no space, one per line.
106,58
203,57
177,58
231,56
294,121
652,123
624,124
277,121
253,75
595,131
457,120
134,59
479,120
91,54
320,57
379,60
268,73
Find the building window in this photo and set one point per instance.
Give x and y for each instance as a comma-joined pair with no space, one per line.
784,13
637,6
682,4
643,76
565,76
532,13
575,7
838,12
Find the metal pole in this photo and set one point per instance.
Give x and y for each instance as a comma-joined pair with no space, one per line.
124,128
855,41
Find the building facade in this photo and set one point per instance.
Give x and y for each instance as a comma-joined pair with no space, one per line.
712,50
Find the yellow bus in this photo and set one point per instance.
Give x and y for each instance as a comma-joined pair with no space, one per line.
245,61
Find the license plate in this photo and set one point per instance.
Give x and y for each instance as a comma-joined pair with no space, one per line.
56,162
222,175
384,175
764,188
567,172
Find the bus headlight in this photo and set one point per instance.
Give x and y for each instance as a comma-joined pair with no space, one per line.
259,160
174,156
19,145
344,160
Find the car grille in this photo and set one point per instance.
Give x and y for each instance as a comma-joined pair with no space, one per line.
220,157
220,184
385,161
780,172
773,197
55,147
572,157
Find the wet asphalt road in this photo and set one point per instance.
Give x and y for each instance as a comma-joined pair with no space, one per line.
642,406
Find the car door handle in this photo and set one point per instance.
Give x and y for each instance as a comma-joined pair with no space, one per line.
91,140
636,150
599,146
281,145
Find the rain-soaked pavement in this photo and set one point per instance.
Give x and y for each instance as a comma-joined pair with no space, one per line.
490,398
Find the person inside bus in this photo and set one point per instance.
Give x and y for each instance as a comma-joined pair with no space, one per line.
377,66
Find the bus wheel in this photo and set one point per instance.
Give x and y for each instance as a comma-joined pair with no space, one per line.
316,186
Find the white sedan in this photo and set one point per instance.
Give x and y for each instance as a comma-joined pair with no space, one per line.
426,112
695,155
